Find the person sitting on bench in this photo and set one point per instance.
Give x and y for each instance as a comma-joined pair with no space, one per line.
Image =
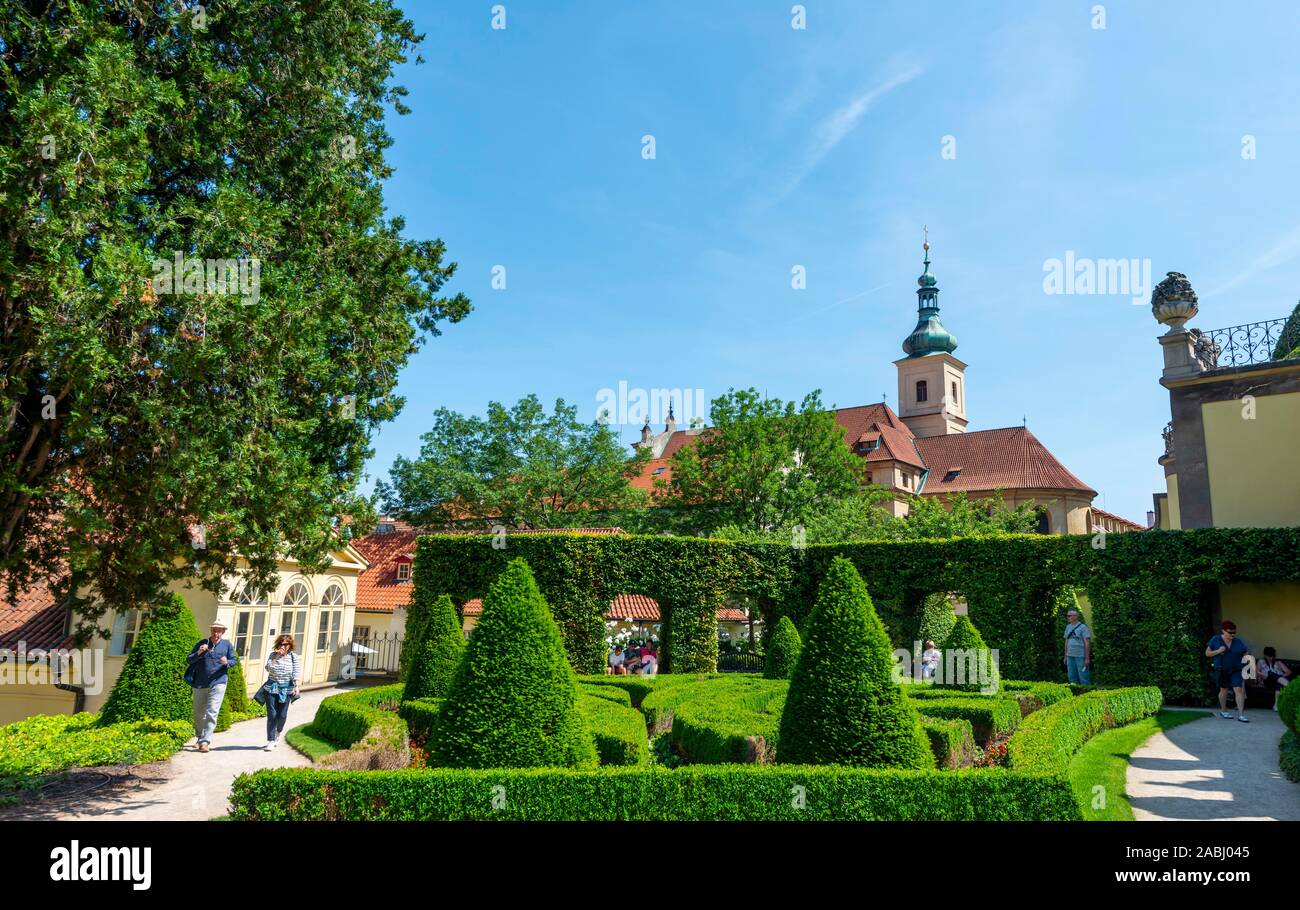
1273,674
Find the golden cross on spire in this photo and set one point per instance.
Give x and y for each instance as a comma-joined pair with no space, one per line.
926,245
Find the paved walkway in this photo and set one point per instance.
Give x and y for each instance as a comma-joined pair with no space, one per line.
1213,769
191,785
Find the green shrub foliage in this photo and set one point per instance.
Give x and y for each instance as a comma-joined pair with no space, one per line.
513,703
1288,707
967,660
1149,619
782,650
689,793
844,706
437,653
937,619
152,684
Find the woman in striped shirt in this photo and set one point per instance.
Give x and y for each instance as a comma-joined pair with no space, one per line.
281,687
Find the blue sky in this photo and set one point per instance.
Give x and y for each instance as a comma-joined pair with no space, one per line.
824,147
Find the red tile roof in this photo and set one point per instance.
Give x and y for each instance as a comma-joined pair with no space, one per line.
633,606
1011,458
378,590
34,618
1132,525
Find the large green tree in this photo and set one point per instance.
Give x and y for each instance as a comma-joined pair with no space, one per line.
762,464
519,466
248,140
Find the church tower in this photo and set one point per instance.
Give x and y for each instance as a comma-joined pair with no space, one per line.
931,381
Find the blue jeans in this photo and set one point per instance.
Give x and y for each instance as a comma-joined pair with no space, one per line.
277,712
207,705
1079,674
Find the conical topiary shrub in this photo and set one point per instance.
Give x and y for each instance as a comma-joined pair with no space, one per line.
844,707
937,620
152,683
513,703
437,653
782,651
968,660
417,617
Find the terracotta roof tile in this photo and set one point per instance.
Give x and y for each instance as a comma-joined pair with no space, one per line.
1011,458
34,618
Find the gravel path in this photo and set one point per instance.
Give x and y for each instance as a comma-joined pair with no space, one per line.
1213,769
189,786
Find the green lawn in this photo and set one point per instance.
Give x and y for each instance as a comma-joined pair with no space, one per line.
306,740
1103,761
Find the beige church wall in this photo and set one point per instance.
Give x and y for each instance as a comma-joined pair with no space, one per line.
1171,521
1252,462
1265,614
24,700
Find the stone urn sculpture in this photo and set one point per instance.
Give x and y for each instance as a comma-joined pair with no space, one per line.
1173,301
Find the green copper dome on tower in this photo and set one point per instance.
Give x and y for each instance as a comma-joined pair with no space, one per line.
929,336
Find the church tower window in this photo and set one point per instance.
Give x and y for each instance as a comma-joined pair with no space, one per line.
922,391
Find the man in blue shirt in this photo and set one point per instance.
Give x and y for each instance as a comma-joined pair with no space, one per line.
210,660
1078,650
1229,653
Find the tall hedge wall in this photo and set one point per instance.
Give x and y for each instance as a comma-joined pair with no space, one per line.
1150,615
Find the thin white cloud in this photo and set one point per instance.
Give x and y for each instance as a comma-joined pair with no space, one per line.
1280,253
833,130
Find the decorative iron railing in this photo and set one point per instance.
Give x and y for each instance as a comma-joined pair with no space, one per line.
1239,345
375,654
1168,434
740,662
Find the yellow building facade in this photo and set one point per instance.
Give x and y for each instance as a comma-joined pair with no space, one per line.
1232,448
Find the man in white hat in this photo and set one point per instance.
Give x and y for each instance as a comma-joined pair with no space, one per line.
210,660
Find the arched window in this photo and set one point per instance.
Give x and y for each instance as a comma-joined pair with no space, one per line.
297,595
250,598
922,390
1044,523
333,597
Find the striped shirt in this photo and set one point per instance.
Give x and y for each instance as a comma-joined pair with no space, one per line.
282,669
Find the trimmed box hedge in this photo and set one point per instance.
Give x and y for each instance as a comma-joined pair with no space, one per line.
637,687
1143,588
618,730
990,717
420,714
366,722
1047,739
693,793
615,694
951,740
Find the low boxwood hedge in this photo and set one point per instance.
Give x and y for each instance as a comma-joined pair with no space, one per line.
637,687
615,694
989,717
1289,755
693,793
951,739
367,722
420,714
618,729
1047,739
737,724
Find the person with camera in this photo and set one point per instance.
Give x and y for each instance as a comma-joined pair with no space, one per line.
209,662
